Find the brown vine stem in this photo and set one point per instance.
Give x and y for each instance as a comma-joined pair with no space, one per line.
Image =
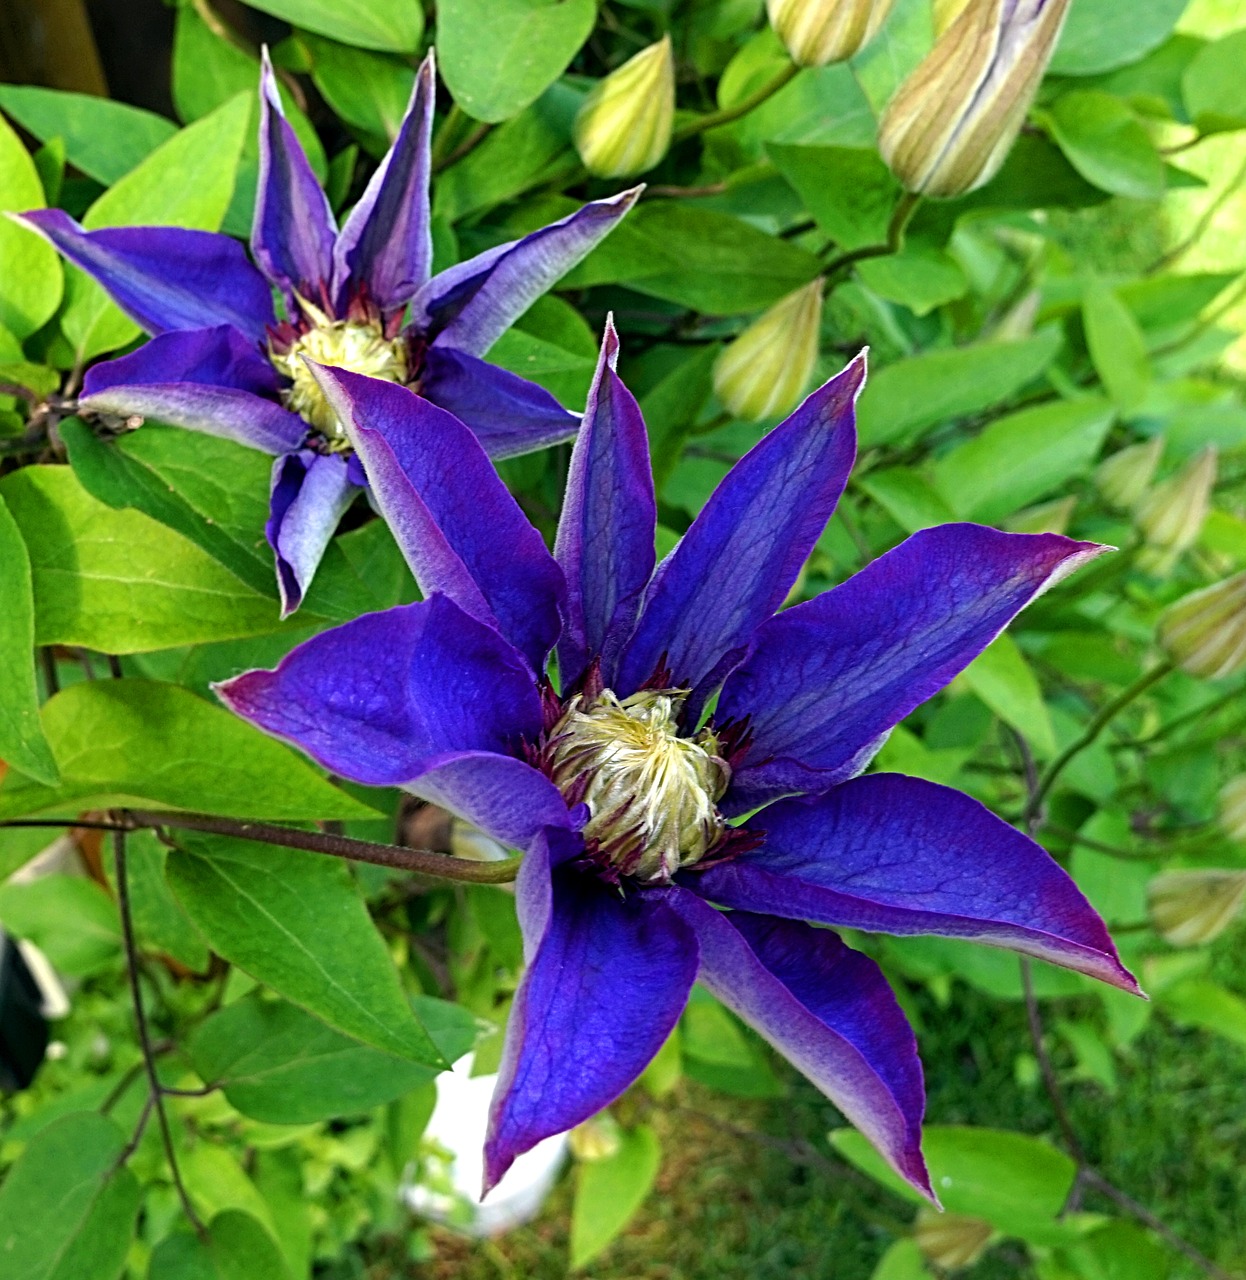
729,114
901,216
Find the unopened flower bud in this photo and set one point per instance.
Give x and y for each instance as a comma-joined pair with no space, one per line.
1233,809
1171,516
765,371
950,1241
598,1138
818,32
624,126
1124,478
1190,908
954,120
1204,633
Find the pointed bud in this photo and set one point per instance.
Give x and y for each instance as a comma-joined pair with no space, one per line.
1171,516
1124,478
818,32
1047,517
1190,908
954,120
1233,809
1204,633
950,1241
598,1138
765,371
624,126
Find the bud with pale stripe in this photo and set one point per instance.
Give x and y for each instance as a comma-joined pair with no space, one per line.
818,32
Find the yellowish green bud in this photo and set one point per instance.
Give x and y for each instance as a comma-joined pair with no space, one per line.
598,1138
950,1241
1124,478
818,32
765,371
1047,517
1190,908
1172,515
1204,633
953,121
1233,809
624,126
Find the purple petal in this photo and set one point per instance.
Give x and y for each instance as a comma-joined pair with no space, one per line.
386,243
166,278
210,380
293,233
508,414
375,699
501,795
830,1012
457,525
892,854
609,514
471,305
826,679
310,494
736,564
606,985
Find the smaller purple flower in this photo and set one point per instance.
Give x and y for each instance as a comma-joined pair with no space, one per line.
696,750
362,298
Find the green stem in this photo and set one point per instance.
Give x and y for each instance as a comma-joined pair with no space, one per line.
900,219
716,118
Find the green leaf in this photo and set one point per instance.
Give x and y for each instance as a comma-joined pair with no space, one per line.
1101,35
187,181
565,374
672,405
139,743
296,922
609,1192
279,1064
497,56
237,1247
903,1261
1212,85
22,743
848,191
1017,1183
1107,145
30,270
1022,457
104,139
708,1033
920,278
1002,678
907,497
1117,347
903,399
216,1183
67,1212
1202,1003
393,26
69,918
368,90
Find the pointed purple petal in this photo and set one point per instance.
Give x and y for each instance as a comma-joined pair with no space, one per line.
471,305
830,1012
508,414
293,233
457,525
386,243
609,514
608,981
375,699
166,278
310,494
825,679
210,380
736,564
892,854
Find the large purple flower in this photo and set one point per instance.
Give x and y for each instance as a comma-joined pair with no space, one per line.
694,748
221,360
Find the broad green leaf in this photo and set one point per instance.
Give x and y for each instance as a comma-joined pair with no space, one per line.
1107,145
672,406
1017,1183
279,1064
69,918
392,25
368,90
187,181
848,191
278,1174
903,1261
1002,678
920,278
104,139
137,743
565,374
904,398
1212,85
67,1211
1117,347
907,497
22,744
237,1247
217,1184
887,59
497,56
30,270
1121,1251
1101,35
1202,1003
1022,457
1162,303
609,1192
708,1033
295,921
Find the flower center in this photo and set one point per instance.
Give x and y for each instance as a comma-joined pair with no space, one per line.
652,794
357,345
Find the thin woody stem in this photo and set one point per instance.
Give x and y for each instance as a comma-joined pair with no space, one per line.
901,216
729,114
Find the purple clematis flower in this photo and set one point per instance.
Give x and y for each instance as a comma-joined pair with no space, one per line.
221,360
638,798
